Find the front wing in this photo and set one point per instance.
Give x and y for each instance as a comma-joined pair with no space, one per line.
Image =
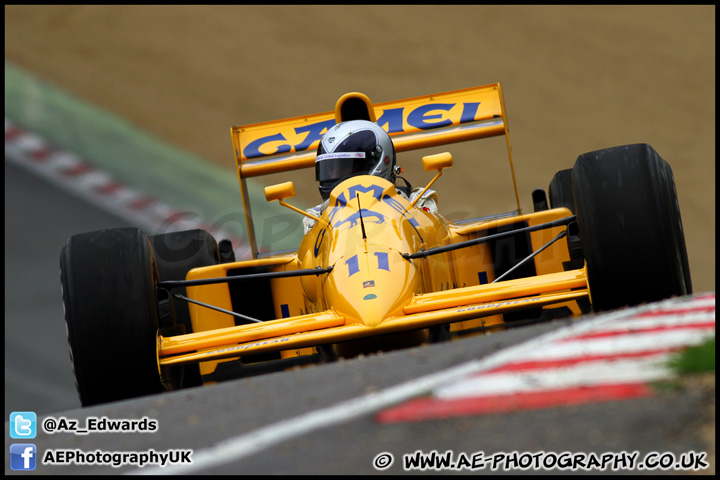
424,311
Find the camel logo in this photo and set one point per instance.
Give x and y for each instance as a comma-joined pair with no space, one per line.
367,216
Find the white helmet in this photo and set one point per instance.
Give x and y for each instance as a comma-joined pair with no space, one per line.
357,147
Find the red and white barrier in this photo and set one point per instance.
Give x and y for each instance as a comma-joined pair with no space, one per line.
75,175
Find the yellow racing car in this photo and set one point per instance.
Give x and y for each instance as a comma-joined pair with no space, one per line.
374,271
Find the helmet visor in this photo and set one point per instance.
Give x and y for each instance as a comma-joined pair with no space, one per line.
334,166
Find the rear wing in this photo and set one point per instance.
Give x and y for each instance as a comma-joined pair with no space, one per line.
413,123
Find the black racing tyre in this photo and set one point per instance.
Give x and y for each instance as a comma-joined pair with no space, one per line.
176,254
560,194
678,231
111,312
560,191
630,227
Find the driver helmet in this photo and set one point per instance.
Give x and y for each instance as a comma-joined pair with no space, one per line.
356,147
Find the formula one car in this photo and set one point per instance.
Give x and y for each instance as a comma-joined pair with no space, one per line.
152,313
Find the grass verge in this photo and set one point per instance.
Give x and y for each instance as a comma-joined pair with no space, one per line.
695,360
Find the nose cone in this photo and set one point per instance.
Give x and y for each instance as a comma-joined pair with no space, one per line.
371,286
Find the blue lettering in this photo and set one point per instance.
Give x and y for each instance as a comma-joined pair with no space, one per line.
376,190
397,206
315,133
253,148
415,224
318,241
383,263
393,117
423,117
333,212
353,266
341,201
469,111
419,118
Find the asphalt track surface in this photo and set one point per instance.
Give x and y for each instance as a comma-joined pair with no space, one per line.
37,362
39,378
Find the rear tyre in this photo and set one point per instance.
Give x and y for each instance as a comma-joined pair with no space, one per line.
561,194
630,227
177,253
108,282
560,191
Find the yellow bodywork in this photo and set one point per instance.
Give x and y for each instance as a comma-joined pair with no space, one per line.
365,236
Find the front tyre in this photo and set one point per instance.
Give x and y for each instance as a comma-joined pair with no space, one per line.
176,254
108,281
630,227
